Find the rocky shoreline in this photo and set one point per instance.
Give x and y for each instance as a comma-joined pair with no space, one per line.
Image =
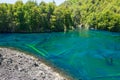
15,65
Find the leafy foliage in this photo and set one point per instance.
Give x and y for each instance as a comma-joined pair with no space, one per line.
47,17
99,14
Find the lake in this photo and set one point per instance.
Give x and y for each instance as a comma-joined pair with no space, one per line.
83,54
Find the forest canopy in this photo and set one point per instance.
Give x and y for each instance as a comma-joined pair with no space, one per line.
48,17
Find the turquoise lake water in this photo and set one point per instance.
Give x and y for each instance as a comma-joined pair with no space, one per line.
86,55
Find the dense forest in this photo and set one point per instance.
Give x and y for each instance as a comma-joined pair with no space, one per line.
48,17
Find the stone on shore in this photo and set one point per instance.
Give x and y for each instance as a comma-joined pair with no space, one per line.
15,65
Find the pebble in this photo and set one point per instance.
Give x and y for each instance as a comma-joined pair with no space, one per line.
15,65
1,59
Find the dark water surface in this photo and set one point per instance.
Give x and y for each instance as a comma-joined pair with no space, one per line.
87,55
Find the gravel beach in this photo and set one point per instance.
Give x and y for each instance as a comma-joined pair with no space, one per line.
15,65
